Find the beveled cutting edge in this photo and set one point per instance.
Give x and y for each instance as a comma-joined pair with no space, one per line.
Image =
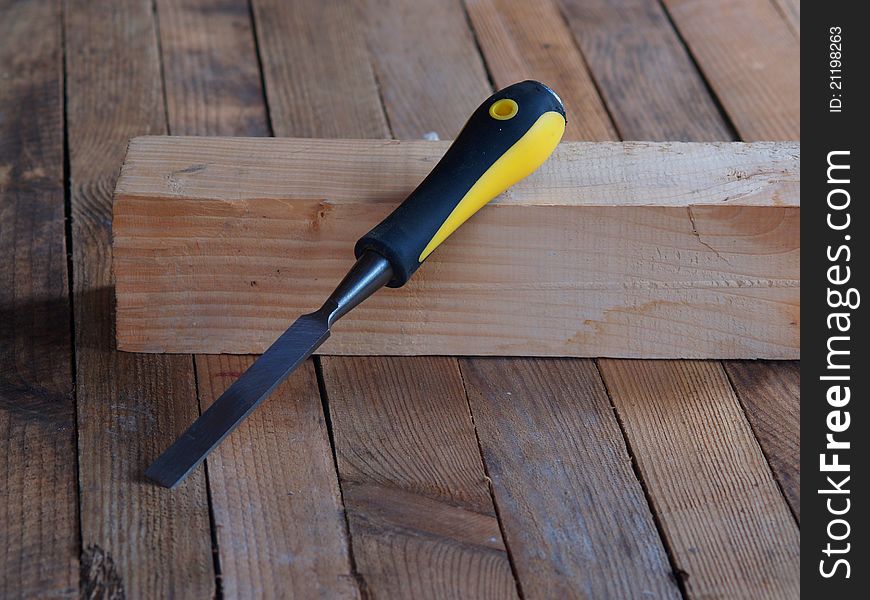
370,273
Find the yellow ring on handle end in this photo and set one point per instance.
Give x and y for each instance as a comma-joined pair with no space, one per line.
504,109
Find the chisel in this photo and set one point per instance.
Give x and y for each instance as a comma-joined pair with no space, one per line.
509,136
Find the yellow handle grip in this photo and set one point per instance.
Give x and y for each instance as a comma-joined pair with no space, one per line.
510,135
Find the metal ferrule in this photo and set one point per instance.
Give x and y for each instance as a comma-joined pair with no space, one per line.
370,273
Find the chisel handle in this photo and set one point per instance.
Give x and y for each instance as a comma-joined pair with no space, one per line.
509,136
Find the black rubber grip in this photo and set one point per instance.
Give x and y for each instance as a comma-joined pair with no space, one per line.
407,231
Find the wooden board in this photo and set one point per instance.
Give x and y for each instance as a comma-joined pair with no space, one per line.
219,243
720,508
645,75
139,541
259,522
770,395
39,531
275,497
210,68
575,516
751,58
320,78
430,74
421,517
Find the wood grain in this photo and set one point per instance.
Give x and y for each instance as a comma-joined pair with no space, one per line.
646,78
575,516
420,513
139,540
751,59
430,74
721,511
38,524
319,80
616,280
770,395
275,496
210,68
282,535
530,40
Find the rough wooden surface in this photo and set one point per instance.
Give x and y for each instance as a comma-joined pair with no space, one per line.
702,465
138,540
333,85
285,531
351,171
133,66
429,72
210,68
751,58
770,395
275,497
645,76
670,280
421,517
38,495
563,532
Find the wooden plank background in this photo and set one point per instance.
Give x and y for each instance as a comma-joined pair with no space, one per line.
373,477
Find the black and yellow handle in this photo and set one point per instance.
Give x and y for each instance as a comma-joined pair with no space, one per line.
509,136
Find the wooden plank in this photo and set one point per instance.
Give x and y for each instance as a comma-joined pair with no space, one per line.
720,509
751,58
421,516
645,76
574,515
530,40
213,88
429,72
275,496
319,80
210,68
674,279
303,101
139,540
39,545
770,394
763,105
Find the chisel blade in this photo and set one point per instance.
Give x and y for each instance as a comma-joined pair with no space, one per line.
281,358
